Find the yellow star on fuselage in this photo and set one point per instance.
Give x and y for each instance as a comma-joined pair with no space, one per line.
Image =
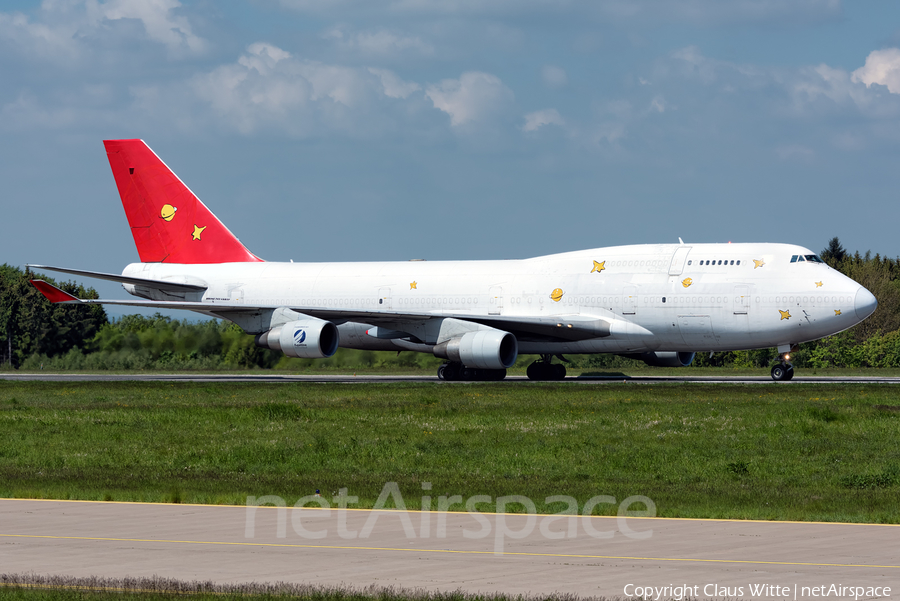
598,267
785,314
837,312
687,282
758,263
412,285
197,231
818,284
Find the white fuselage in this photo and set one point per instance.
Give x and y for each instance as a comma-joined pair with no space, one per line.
655,297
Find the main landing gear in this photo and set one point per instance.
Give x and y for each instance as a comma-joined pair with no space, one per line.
544,370
458,372
783,370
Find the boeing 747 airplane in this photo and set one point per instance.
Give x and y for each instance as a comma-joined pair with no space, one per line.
660,303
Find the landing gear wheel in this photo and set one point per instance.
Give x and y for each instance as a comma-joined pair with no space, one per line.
543,370
449,371
789,375
782,372
559,371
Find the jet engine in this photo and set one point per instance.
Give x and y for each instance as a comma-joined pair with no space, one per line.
665,359
484,349
308,338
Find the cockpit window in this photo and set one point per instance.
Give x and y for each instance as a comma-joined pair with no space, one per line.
803,258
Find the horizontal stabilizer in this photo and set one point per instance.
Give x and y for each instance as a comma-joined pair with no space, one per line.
54,294
157,284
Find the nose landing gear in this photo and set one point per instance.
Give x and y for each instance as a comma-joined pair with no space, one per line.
783,370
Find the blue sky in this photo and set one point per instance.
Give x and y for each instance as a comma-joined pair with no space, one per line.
455,129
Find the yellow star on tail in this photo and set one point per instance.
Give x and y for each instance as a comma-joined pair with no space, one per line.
197,231
785,314
758,263
412,286
837,312
598,267
818,284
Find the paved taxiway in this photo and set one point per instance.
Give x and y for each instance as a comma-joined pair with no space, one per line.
270,377
230,545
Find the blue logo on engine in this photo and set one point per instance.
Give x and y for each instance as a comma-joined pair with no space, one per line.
299,337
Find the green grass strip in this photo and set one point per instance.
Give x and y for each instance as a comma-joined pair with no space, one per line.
782,452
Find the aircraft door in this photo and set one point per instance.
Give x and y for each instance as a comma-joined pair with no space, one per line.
384,298
630,300
495,300
741,300
677,264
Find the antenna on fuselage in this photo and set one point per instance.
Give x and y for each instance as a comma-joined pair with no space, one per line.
680,241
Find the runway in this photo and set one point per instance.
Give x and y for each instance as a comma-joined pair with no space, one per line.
514,554
270,377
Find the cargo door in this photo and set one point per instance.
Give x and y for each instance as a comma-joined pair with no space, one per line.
697,332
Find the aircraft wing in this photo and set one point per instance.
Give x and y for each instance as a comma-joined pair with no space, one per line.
165,285
559,327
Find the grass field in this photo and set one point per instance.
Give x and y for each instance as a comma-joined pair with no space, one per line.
32,587
810,452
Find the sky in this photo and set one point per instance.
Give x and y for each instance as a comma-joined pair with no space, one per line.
355,130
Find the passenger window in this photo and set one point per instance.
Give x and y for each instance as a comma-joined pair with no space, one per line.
732,261
739,262
688,264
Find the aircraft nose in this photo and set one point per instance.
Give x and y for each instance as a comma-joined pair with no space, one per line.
865,303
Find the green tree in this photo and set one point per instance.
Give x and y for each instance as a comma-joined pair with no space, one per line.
31,324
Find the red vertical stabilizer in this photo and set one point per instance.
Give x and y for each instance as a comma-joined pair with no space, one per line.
169,223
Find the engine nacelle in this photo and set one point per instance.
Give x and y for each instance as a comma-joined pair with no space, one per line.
485,349
666,359
309,338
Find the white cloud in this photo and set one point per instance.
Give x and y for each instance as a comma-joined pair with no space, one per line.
539,119
703,12
882,67
393,85
267,87
156,15
379,42
473,97
554,77
64,30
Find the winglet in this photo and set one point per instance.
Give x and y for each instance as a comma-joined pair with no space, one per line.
54,294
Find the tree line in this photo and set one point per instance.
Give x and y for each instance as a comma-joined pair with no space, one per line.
35,334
